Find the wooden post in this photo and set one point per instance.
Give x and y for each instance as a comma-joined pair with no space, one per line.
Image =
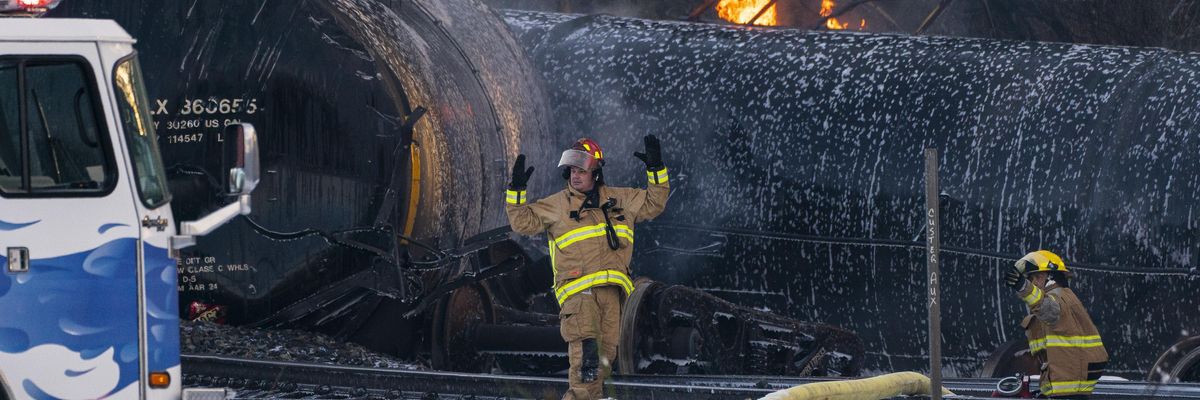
933,258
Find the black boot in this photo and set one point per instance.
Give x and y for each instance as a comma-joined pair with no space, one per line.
590,368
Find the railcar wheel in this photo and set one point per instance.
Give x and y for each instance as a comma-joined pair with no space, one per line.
454,320
633,317
1008,359
1180,363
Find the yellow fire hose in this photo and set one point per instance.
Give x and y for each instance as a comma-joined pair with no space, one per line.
879,387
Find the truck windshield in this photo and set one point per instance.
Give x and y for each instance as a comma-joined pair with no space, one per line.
139,133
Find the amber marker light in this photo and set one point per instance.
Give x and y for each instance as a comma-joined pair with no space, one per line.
159,380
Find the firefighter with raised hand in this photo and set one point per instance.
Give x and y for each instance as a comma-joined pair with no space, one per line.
1061,334
589,226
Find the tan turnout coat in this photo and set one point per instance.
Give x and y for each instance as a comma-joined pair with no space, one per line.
579,248
1063,340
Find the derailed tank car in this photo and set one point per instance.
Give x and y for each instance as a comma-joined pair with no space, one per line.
796,161
796,166
390,127
393,125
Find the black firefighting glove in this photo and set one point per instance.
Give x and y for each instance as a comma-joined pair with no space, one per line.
653,155
1013,279
520,175
589,370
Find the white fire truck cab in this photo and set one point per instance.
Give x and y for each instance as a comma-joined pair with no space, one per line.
88,295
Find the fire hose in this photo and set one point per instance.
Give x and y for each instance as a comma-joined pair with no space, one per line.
879,387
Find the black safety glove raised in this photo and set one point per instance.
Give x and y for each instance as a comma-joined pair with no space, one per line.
1013,279
520,175
653,155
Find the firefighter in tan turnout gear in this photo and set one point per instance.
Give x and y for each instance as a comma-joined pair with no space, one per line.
1061,335
590,230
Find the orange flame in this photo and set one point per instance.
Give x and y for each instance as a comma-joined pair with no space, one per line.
827,10
741,11
833,24
827,7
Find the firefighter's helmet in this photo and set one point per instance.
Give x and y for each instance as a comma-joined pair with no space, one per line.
591,147
1041,261
584,154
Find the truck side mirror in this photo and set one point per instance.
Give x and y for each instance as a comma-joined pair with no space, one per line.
239,156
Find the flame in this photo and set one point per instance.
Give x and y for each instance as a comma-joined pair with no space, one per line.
741,11
833,24
827,7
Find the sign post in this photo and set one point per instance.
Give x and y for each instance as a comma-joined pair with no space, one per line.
932,263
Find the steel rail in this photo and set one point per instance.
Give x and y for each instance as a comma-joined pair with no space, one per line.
318,378
252,376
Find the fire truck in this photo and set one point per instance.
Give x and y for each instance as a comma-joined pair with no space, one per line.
89,288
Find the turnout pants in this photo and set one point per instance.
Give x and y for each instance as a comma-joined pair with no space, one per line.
591,326
1094,371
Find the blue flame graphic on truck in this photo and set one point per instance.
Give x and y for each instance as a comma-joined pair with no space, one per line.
81,309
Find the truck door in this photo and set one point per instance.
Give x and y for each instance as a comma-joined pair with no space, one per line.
161,301
69,229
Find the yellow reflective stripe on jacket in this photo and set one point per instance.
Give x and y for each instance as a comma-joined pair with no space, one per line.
1069,387
657,177
577,234
605,277
1064,341
516,197
591,231
1033,296
553,252
624,231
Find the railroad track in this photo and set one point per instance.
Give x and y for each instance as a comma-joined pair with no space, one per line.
280,379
